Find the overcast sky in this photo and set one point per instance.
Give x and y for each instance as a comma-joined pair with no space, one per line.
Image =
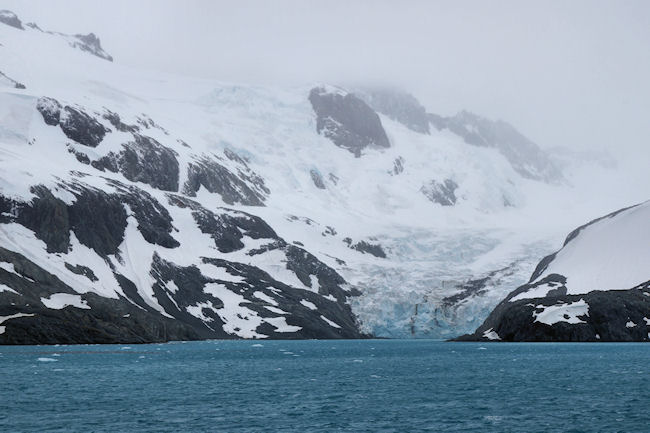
564,72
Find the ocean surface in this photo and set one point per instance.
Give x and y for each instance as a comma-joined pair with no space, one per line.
326,386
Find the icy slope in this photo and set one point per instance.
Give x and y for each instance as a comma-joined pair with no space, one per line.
597,287
246,211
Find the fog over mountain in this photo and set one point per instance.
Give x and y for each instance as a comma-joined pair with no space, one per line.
565,73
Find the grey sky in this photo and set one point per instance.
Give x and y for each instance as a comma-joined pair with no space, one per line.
564,72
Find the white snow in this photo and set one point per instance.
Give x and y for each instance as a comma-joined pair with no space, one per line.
611,254
5,288
266,298
9,267
630,324
329,322
281,325
308,304
242,321
536,292
562,312
275,310
490,334
172,287
59,301
13,316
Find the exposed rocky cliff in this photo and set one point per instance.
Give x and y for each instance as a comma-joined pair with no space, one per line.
595,288
346,120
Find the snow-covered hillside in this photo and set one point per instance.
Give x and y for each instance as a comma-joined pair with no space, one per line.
156,206
597,287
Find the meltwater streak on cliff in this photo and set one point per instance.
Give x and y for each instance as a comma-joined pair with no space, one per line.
324,386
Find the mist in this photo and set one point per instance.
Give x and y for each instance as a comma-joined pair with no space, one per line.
570,74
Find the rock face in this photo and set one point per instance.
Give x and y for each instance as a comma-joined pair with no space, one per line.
210,298
317,179
596,288
74,122
216,178
524,155
90,44
399,106
443,193
144,160
366,247
9,18
346,120
11,81
111,251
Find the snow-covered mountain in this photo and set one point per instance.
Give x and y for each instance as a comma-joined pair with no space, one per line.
595,288
141,206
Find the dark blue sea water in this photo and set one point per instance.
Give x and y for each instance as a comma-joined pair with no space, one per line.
326,386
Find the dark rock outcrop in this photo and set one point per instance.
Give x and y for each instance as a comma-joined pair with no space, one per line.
90,44
50,109
524,155
226,229
398,166
443,193
400,106
346,120
82,270
46,215
154,221
217,179
317,179
80,127
105,321
11,19
117,123
615,315
545,309
144,160
74,122
97,218
16,84
366,247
